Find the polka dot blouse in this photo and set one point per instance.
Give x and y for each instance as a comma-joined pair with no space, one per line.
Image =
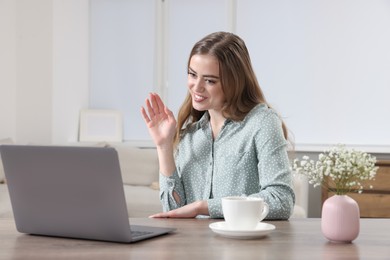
248,158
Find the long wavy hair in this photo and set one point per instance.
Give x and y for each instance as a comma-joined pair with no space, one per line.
239,83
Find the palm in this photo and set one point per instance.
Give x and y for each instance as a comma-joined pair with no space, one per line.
162,128
160,121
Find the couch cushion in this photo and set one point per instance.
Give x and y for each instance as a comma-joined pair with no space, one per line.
2,176
301,190
5,202
142,201
139,166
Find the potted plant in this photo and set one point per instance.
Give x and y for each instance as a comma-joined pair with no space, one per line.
340,170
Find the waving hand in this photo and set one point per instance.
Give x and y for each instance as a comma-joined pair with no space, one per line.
160,121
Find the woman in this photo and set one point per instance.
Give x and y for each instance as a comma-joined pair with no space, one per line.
227,141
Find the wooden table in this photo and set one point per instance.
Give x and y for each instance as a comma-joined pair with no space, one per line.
193,239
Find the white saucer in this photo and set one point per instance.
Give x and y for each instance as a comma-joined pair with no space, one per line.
261,230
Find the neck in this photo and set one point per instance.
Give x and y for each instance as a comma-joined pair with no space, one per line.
216,121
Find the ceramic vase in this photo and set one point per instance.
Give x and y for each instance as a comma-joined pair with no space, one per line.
340,219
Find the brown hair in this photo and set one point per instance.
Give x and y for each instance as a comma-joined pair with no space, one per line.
239,83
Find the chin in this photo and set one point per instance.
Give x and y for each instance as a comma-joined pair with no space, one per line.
198,107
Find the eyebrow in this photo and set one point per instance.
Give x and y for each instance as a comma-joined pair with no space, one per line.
204,76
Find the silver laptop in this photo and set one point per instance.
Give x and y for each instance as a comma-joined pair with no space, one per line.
74,192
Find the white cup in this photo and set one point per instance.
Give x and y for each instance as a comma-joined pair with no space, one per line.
243,213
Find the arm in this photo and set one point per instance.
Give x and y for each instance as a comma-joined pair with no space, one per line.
274,171
161,125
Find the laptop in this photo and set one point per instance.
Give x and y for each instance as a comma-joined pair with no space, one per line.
67,191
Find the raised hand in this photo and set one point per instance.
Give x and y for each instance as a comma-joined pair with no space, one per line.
160,121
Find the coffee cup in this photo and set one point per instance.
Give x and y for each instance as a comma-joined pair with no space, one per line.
243,213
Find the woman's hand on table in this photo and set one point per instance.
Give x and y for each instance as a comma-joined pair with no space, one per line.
188,211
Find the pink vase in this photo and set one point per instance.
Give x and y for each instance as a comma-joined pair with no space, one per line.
340,220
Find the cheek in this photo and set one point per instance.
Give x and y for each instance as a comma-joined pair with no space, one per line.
190,83
218,94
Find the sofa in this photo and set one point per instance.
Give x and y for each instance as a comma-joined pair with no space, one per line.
139,167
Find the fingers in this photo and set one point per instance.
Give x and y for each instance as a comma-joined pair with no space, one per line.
156,103
175,213
150,107
160,215
160,104
154,106
145,115
187,211
168,112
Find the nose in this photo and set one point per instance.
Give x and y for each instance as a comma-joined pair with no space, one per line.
198,85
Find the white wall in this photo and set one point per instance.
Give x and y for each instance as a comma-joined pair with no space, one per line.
7,68
33,70
323,64
186,23
123,59
44,69
70,67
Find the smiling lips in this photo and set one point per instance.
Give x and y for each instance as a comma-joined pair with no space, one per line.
199,98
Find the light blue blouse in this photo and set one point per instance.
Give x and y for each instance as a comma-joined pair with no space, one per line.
247,158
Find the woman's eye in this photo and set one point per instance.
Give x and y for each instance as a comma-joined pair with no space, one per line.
192,75
209,81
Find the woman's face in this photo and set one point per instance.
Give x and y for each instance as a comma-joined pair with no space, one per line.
204,83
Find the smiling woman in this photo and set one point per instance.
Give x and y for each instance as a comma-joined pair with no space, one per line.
227,141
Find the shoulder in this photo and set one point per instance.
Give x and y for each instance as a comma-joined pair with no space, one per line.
194,133
195,126
263,123
263,115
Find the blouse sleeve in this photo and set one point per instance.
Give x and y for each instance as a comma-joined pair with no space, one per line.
167,186
271,166
275,178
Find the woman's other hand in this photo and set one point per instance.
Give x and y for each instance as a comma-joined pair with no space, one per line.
188,211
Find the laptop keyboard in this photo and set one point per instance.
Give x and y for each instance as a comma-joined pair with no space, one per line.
139,233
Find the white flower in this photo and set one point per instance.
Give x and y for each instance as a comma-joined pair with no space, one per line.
345,168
